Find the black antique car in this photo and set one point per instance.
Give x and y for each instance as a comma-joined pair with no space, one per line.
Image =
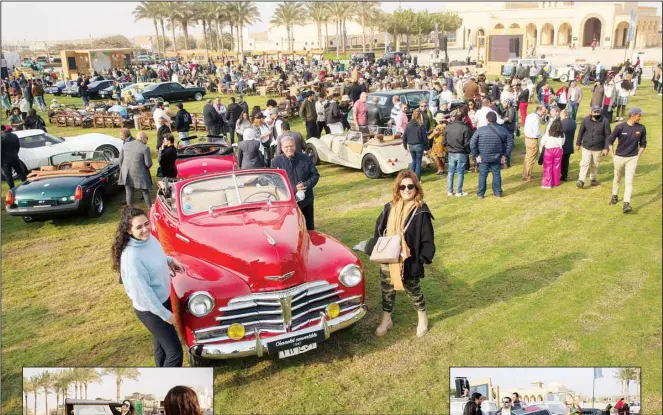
65,184
172,91
89,407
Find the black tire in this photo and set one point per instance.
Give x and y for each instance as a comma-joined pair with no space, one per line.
198,96
312,153
195,361
27,219
110,150
564,78
97,206
371,167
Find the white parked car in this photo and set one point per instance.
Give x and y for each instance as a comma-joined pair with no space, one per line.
635,408
37,146
356,150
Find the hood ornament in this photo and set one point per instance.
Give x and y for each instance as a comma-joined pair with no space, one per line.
271,240
282,277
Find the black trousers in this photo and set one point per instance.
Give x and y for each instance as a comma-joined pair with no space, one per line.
311,129
167,346
8,167
565,166
307,211
231,133
321,125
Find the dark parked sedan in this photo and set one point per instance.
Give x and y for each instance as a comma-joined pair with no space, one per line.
96,87
173,91
58,89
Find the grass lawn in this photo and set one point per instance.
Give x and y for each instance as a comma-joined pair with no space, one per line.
537,278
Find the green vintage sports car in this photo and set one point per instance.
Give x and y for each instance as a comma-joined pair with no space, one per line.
66,183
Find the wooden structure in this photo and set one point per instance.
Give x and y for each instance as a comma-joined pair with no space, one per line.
502,45
86,61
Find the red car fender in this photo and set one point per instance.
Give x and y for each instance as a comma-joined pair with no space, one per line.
199,166
201,276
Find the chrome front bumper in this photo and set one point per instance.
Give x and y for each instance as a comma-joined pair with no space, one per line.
258,347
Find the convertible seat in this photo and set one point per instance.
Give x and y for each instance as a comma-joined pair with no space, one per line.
39,175
48,168
389,140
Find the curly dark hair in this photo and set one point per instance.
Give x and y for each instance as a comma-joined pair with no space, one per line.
122,236
181,400
556,129
271,103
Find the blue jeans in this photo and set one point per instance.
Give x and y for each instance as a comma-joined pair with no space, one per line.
495,167
456,166
417,153
573,106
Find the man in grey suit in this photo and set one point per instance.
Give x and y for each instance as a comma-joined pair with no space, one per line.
135,163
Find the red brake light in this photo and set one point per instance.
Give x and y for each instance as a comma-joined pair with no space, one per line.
78,195
9,199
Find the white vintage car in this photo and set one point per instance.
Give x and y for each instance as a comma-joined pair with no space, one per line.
37,146
365,152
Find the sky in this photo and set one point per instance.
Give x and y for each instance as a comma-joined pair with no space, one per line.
69,21
151,380
576,379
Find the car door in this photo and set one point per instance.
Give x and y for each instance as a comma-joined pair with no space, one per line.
352,148
178,92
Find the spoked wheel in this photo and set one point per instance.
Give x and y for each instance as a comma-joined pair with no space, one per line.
313,154
97,206
371,167
110,151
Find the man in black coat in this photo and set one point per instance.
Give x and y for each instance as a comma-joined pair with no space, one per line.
183,123
592,138
9,147
569,128
83,83
234,113
211,118
302,174
373,115
163,130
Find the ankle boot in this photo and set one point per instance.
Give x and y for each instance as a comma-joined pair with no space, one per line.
422,327
385,324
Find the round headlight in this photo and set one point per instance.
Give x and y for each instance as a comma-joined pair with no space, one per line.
236,331
350,275
200,304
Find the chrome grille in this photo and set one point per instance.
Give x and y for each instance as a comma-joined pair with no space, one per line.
277,311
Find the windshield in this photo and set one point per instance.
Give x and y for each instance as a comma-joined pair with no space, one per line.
233,190
92,410
150,87
556,409
69,157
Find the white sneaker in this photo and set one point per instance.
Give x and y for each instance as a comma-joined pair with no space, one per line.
449,194
461,194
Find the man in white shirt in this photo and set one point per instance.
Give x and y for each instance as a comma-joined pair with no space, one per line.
160,112
532,132
483,111
446,95
254,69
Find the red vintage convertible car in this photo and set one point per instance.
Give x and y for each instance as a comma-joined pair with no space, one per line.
204,158
256,280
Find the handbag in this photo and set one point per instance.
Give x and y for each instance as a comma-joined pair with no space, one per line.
387,249
543,150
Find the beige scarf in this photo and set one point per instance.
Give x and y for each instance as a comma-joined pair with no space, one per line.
398,216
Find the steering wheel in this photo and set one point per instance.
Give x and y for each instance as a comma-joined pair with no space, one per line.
269,194
66,165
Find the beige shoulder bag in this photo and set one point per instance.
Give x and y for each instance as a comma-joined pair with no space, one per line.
387,249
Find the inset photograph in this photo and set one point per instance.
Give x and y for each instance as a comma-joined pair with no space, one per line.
118,391
544,390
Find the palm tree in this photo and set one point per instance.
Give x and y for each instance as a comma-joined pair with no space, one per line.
66,380
377,22
146,11
120,374
87,376
339,11
185,15
244,13
28,388
319,13
161,15
221,18
46,380
58,386
288,14
34,384
169,10
363,11
406,19
625,375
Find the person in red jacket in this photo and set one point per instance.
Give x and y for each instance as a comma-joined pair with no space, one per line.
562,97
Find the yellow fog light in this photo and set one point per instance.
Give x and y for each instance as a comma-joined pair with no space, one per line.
236,331
333,310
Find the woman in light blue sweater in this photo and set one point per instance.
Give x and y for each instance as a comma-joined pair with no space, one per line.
145,271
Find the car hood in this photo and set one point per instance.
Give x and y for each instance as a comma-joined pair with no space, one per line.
196,166
51,188
254,244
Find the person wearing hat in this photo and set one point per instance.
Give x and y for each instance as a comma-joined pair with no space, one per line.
183,123
309,115
592,137
632,138
438,152
9,156
54,104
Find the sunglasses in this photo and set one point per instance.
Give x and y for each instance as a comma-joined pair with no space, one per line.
408,187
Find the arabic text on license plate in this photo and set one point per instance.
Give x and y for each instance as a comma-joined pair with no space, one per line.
297,350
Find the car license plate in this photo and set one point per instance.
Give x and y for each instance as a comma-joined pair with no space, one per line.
296,344
297,350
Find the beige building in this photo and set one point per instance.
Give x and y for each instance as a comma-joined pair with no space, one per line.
304,37
538,392
559,24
